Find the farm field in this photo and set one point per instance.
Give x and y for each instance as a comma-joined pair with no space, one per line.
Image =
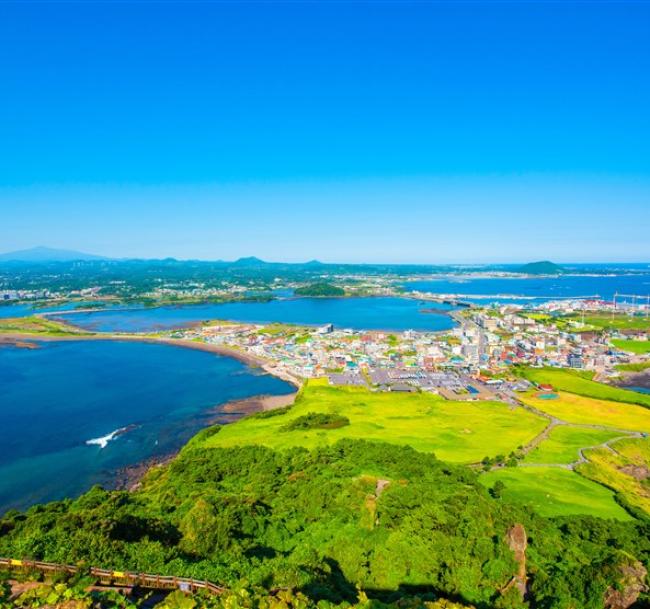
460,432
639,347
583,410
626,470
564,443
566,380
553,491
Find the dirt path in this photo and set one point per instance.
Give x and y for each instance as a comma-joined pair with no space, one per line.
556,422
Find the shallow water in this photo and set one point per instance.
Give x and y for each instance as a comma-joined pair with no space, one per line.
54,399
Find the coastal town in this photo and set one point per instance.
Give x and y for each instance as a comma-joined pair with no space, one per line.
469,362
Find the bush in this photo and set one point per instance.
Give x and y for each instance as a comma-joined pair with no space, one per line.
316,420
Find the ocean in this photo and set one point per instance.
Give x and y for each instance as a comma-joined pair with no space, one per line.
73,413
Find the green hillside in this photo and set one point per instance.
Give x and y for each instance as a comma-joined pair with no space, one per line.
543,267
320,524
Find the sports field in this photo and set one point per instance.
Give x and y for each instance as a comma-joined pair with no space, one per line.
619,321
639,347
461,432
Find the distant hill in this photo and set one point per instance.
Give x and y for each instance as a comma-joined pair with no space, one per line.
543,267
250,261
47,254
319,289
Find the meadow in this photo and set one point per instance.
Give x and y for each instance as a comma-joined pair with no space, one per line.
582,410
564,443
579,383
459,432
553,491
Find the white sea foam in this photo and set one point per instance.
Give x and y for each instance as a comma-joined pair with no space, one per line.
104,440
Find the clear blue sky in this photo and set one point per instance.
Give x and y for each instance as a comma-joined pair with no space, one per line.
344,131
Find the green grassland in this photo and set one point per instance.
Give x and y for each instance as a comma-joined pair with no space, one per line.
564,443
625,470
582,410
36,325
618,321
553,491
578,383
460,432
638,347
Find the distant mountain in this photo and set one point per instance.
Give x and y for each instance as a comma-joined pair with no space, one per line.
543,267
47,254
249,262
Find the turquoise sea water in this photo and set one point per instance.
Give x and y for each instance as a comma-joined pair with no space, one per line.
55,398
381,313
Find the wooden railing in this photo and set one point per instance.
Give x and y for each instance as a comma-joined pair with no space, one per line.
117,578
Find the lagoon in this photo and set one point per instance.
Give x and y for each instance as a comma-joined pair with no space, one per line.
373,313
58,397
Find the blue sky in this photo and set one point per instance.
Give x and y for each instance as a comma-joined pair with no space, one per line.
344,131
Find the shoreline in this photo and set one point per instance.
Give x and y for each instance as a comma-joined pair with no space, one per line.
634,379
130,477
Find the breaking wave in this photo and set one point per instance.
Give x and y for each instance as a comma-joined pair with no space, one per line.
103,441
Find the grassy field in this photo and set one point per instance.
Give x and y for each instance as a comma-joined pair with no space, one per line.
583,410
564,442
573,382
460,432
552,491
619,321
633,346
36,325
622,470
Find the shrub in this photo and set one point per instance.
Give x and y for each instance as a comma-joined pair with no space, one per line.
316,420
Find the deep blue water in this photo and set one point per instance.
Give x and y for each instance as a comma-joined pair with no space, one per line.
539,288
55,398
380,313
